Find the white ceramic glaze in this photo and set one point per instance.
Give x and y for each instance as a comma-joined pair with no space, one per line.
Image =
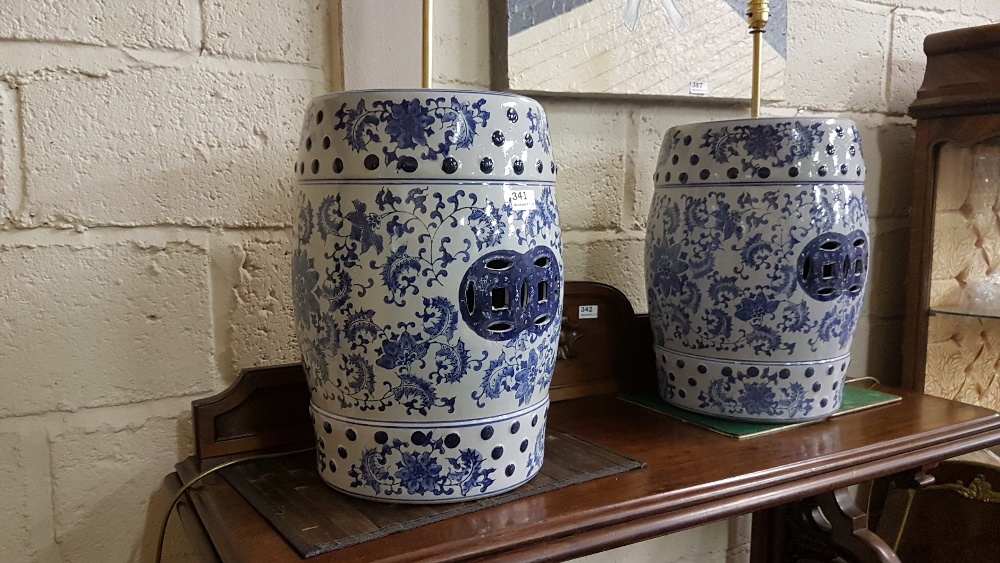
756,262
428,288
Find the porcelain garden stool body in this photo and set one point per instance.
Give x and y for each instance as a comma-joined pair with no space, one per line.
756,262
427,283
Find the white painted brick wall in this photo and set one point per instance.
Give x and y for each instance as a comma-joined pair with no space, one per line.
461,46
24,492
200,147
614,261
260,322
267,30
10,170
135,23
589,148
107,477
837,56
102,324
145,178
145,190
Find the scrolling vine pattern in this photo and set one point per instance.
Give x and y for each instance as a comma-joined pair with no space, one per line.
417,359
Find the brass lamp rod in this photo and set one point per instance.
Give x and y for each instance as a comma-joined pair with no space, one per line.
425,75
757,14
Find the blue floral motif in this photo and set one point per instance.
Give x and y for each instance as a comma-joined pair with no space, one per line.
418,473
330,219
336,289
399,274
756,308
838,324
304,280
755,251
487,226
452,362
756,392
526,368
795,317
418,395
495,380
360,328
669,268
757,398
783,280
538,126
718,324
535,457
410,237
363,227
408,124
359,373
419,469
467,469
524,379
401,350
305,226
413,124
316,367
371,471
766,145
699,305
439,316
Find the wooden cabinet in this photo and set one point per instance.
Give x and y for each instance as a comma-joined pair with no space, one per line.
952,339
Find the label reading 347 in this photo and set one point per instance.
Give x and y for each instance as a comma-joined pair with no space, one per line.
520,199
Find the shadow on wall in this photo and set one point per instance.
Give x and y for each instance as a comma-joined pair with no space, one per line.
176,547
123,486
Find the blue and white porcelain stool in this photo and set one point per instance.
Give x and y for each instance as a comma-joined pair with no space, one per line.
427,285
756,261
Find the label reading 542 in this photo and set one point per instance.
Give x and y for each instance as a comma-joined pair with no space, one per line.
522,199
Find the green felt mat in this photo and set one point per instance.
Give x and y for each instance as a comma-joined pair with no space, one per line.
855,399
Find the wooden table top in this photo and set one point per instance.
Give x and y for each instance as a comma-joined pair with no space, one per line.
693,476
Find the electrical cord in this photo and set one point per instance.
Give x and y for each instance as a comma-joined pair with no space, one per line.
202,475
868,378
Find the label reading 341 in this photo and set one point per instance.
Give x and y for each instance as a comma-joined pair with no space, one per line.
520,199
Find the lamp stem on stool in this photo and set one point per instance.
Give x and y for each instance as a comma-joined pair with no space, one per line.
757,14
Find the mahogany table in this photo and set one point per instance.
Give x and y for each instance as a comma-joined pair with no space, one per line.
692,476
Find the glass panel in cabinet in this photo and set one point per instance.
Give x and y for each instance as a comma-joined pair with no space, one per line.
963,357
965,264
963,347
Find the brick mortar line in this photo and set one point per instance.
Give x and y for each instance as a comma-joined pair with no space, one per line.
630,185
150,235
587,236
887,61
22,154
146,408
139,57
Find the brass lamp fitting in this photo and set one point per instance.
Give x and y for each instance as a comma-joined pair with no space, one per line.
757,13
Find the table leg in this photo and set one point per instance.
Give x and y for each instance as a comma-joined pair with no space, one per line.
825,527
848,528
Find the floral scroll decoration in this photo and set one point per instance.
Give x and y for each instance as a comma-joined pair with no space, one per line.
416,359
421,469
435,125
757,146
721,311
